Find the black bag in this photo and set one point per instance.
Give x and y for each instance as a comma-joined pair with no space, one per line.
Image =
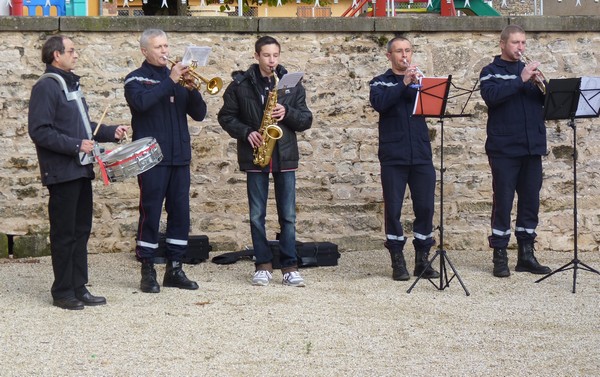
310,254
197,251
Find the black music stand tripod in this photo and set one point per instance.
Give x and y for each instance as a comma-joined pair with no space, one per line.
564,101
437,95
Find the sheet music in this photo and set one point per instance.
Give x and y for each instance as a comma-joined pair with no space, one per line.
430,97
199,54
589,99
289,80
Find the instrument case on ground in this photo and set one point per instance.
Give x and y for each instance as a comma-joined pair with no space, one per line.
310,254
197,251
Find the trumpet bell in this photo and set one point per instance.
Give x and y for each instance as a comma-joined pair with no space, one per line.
192,80
214,85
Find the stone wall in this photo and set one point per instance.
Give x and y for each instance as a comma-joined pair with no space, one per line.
339,194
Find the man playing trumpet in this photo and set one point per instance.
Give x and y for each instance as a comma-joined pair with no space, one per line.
406,159
516,142
159,109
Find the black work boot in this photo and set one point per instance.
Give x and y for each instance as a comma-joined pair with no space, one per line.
399,271
175,277
527,262
500,260
422,265
149,283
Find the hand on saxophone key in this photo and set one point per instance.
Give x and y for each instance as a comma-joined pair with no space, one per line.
278,112
255,139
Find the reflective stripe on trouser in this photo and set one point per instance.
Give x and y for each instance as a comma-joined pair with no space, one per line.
169,185
523,176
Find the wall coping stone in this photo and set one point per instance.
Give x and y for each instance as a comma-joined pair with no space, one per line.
424,23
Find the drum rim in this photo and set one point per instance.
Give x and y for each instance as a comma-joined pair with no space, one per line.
109,159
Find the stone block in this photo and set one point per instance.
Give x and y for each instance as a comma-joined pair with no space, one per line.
31,245
11,23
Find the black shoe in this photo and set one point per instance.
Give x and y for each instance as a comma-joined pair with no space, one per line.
422,266
527,262
175,277
69,303
399,271
148,284
500,259
89,299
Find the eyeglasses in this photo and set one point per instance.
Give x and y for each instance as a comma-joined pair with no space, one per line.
70,52
400,51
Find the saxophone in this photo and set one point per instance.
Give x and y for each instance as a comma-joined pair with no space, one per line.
269,130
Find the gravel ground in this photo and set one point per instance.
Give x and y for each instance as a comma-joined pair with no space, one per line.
350,320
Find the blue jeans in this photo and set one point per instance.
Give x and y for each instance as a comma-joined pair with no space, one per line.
257,184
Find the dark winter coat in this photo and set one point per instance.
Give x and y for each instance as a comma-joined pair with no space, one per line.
243,110
57,129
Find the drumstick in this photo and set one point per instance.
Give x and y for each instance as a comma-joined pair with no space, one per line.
101,119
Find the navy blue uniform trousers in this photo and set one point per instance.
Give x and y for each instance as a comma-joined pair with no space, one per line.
522,175
169,185
421,182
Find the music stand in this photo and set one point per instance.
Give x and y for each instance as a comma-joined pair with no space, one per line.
431,101
571,99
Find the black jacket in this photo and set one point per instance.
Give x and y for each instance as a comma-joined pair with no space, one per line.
56,128
242,113
159,109
403,138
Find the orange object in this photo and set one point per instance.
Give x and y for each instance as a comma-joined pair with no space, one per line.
447,8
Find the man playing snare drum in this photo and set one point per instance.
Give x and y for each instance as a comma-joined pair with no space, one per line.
159,109
57,126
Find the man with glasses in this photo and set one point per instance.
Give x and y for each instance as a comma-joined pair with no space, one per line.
60,128
405,158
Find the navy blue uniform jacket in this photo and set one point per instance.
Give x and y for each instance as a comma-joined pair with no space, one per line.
515,125
159,109
403,139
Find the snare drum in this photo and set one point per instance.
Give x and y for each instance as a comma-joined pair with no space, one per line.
132,159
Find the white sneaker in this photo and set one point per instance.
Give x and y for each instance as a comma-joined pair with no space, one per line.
293,279
261,277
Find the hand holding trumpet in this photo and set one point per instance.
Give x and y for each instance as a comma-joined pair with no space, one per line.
412,75
178,70
531,72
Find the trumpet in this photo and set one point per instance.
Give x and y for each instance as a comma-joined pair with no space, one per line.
539,78
419,72
193,80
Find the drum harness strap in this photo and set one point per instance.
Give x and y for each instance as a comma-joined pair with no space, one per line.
84,159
